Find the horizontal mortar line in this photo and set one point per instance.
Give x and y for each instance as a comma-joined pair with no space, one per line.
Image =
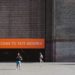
64,40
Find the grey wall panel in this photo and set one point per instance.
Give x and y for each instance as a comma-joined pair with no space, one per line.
4,19
64,19
64,29
21,18
20,26
65,51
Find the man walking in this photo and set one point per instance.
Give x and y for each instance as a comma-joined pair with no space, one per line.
18,61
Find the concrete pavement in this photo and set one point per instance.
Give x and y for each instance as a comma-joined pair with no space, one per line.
38,69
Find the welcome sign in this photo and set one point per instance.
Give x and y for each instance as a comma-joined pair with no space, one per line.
22,43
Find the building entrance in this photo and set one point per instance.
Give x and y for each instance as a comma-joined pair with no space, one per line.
29,55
